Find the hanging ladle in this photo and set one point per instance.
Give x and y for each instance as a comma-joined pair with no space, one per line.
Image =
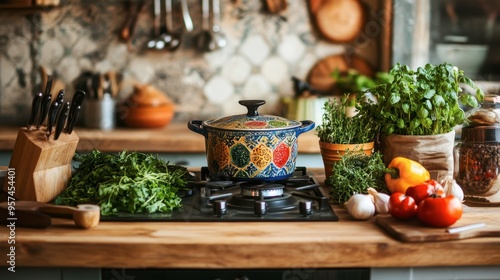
204,38
171,40
219,38
152,44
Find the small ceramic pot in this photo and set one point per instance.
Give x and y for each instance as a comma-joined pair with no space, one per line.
251,146
147,107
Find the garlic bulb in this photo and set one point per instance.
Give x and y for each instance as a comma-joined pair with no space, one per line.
381,201
452,188
360,206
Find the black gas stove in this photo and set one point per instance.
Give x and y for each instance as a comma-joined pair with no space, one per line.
208,199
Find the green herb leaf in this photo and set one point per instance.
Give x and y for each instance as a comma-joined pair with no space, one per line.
338,127
355,173
124,182
422,102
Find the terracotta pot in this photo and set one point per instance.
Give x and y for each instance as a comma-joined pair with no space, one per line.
147,107
332,153
149,116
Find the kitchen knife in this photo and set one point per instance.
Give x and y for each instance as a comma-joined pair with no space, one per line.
74,110
35,106
61,120
44,109
53,112
46,100
60,96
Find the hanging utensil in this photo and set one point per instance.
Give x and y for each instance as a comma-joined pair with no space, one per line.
204,38
219,37
171,39
134,9
129,25
152,44
188,22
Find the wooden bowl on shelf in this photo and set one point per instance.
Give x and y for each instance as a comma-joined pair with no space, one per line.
147,107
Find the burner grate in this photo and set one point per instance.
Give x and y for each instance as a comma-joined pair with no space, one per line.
218,199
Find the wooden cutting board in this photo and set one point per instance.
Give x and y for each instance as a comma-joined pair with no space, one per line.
339,21
320,75
414,231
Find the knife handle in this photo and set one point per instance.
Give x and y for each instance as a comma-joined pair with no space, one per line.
76,106
60,96
48,85
72,118
53,112
35,106
61,119
46,99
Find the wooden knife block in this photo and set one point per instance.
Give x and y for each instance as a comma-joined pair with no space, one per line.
42,166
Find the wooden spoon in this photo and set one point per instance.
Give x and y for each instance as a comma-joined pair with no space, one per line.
85,215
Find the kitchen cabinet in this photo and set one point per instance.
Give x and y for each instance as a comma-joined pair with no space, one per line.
432,273
461,32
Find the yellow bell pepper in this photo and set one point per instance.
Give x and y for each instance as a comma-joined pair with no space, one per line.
403,173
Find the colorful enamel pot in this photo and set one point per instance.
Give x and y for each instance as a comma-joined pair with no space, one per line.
251,146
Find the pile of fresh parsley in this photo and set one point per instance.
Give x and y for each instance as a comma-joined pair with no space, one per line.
125,182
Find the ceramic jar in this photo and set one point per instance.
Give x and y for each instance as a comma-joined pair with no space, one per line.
147,107
251,146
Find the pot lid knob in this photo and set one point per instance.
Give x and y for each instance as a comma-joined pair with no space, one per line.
252,106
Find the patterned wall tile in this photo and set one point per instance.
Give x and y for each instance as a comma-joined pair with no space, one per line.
263,52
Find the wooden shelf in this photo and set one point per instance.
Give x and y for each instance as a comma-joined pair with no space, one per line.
28,4
175,138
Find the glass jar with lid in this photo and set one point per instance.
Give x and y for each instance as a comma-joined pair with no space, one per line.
477,154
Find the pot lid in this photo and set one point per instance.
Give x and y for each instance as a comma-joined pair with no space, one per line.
252,120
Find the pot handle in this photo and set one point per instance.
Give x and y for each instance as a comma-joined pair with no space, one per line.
196,126
306,126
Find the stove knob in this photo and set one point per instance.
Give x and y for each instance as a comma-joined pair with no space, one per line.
305,207
220,208
260,208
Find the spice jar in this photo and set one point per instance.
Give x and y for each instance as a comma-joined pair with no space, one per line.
477,154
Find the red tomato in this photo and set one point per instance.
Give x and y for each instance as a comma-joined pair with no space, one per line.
439,211
401,206
424,190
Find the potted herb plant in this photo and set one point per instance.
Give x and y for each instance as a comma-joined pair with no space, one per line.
418,111
341,131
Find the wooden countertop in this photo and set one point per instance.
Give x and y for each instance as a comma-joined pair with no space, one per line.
174,138
346,243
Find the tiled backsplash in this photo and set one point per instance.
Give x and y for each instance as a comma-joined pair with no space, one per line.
263,52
